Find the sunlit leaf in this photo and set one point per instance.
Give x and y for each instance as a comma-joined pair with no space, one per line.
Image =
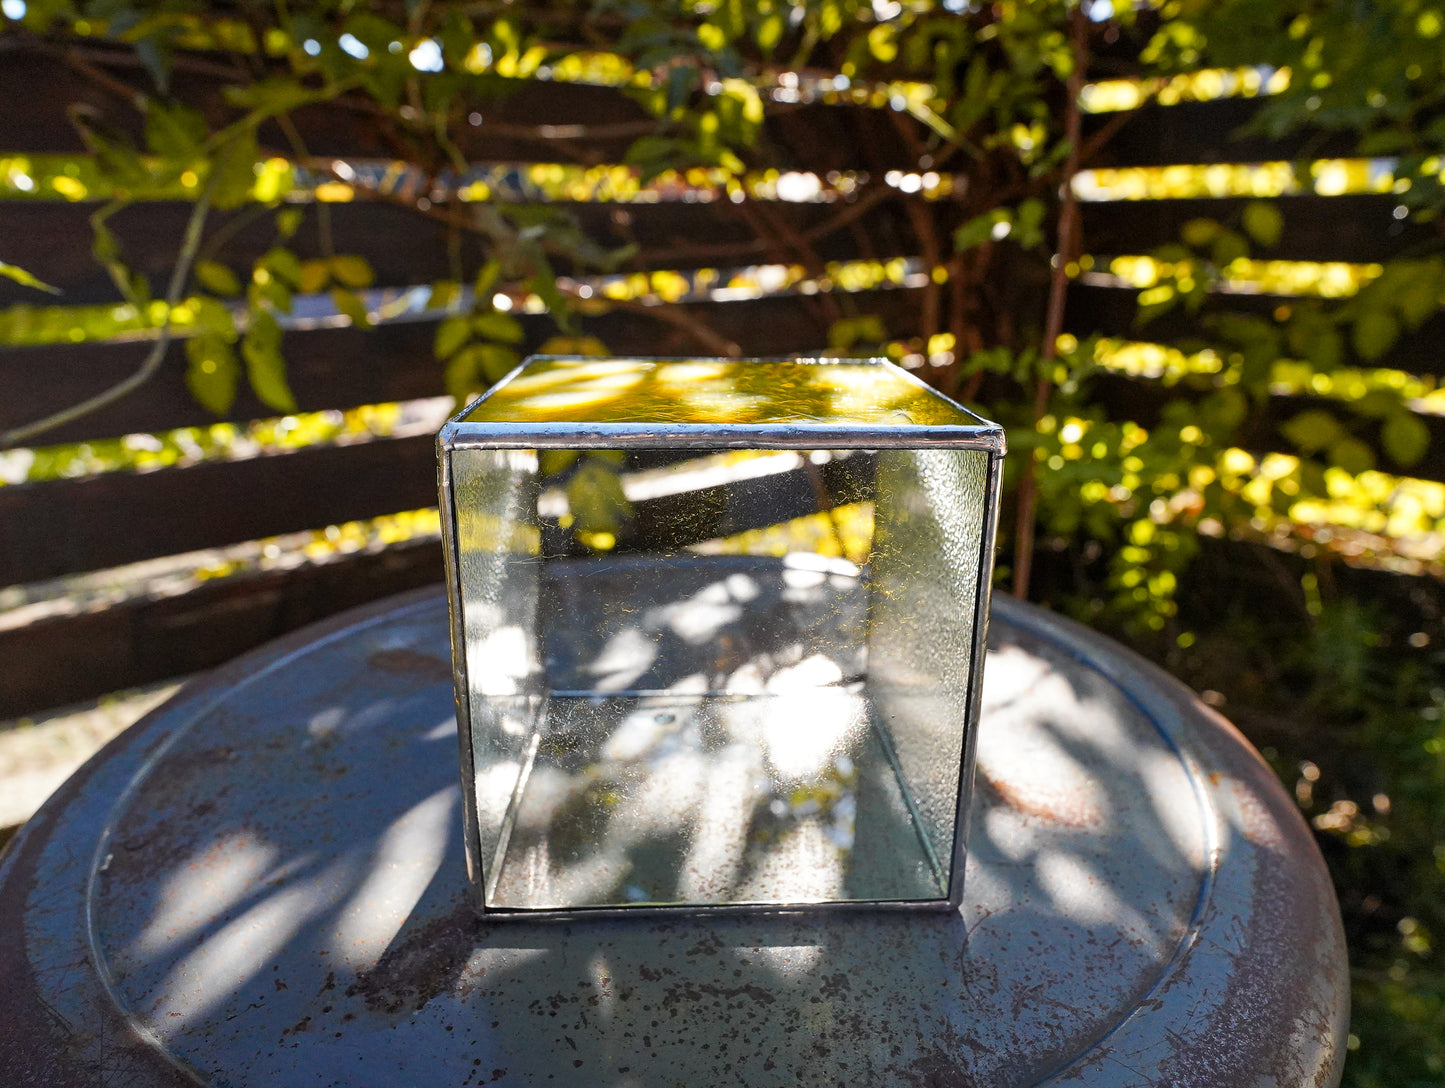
1352,455
265,368
314,276
451,335
499,326
352,271
1375,332
1263,222
217,278
1312,430
350,304
212,373
1405,437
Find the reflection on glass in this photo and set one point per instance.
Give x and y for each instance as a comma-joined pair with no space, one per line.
705,677
715,391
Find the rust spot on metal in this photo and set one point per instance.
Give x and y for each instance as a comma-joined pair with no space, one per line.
1060,807
411,663
425,965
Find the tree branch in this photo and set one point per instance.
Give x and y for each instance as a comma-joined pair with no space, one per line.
1066,251
190,246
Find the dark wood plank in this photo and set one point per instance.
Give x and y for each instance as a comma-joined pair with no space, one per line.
1357,229
58,661
61,527
1206,132
406,247
38,87
342,368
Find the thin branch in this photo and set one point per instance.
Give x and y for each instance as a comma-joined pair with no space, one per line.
190,245
1067,248
681,319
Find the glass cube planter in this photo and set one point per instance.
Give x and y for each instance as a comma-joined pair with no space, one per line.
718,633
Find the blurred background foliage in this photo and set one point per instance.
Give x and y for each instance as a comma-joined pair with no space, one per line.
1245,485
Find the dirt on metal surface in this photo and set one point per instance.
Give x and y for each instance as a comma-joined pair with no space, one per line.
264,884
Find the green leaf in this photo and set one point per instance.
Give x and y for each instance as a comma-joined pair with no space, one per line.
1352,455
1377,403
1418,299
595,499
1224,410
218,279
174,132
268,96
451,335
770,32
1228,247
1199,233
496,361
1324,348
213,316
552,462
978,230
1263,222
104,246
235,171
499,326
313,277
573,345
1405,437
265,369
1375,332
443,294
1028,223
288,221
1312,430
544,284
486,280
212,373
25,279
461,376
352,271
350,304
283,264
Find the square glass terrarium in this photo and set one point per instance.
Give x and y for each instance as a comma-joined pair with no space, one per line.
718,630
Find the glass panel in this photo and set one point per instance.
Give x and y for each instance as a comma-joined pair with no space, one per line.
692,674
498,543
716,391
923,596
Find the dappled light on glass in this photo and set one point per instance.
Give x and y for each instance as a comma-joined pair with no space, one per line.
718,629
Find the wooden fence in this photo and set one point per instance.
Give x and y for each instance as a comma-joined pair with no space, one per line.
60,528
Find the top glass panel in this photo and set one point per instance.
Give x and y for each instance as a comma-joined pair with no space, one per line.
720,392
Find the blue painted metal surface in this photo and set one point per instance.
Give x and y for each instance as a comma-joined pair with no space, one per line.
262,884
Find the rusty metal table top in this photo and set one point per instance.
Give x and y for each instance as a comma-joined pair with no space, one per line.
262,884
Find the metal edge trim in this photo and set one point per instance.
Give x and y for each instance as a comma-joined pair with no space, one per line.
990,438
714,910
472,834
983,603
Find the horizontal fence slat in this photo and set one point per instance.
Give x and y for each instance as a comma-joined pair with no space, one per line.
37,89
1111,311
1143,402
62,660
65,526
343,368
1358,229
1205,132
406,247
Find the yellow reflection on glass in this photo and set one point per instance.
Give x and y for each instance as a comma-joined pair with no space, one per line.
715,392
